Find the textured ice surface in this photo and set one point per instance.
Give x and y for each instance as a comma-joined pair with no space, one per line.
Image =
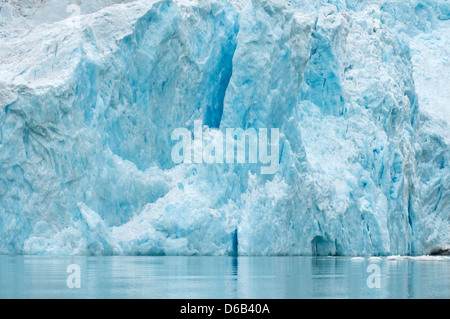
359,91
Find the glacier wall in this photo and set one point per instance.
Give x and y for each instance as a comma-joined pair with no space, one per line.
358,90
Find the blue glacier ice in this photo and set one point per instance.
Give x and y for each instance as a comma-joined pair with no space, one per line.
358,89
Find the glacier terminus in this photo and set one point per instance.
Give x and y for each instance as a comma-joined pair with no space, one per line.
90,95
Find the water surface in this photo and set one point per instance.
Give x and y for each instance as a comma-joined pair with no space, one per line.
223,277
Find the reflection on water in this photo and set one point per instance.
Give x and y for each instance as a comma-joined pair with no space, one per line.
222,277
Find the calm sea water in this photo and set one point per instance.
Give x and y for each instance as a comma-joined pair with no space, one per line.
223,277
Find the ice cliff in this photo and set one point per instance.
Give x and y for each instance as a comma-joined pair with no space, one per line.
358,89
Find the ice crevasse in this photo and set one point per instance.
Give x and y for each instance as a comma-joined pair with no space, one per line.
358,90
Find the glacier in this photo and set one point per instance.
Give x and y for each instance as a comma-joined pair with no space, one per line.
358,89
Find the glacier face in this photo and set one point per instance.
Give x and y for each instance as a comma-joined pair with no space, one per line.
359,92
